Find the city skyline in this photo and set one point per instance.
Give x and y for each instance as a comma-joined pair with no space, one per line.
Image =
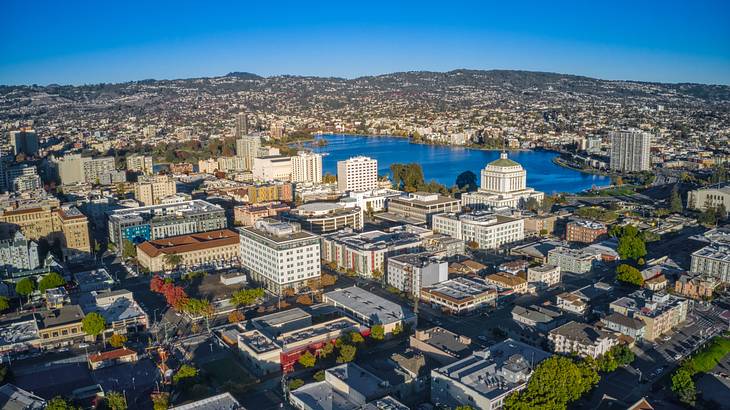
84,44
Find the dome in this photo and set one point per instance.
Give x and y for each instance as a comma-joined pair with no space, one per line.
503,162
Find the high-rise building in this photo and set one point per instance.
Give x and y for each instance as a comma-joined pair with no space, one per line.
630,150
23,177
306,167
75,169
151,190
247,147
357,174
24,142
140,163
276,131
279,254
18,253
241,124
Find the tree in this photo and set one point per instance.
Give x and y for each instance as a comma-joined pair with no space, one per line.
184,373
555,382
629,274
4,303
117,340
115,401
328,178
304,300
236,316
50,281
307,359
631,245
197,307
25,287
467,181
319,376
59,403
397,329
295,384
623,355
356,337
128,249
347,353
93,324
160,401
247,297
377,275
328,280
683,386
172,260
464,407
326,350
377,332
675,201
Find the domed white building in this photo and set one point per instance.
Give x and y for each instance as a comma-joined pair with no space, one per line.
503,184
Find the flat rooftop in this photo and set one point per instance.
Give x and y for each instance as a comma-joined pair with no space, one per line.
461,289
369,305
20,331
278,319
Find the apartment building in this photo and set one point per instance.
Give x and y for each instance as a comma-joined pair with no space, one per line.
712,262
581,339
213,247
485,379
279,254
162,221
365,253
246,215
584,231
150,190
486,230
543,276
357,174
630,150
506,281
247,147
661,312
571,260
411,272
18,253
140,163
307,167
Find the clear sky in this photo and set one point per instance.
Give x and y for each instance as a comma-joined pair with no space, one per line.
77,42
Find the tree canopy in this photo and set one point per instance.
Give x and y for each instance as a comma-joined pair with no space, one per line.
467,181
50,281
307,359
4,303
377,332
629,274
247,297
631,243
93,324
555,382
347,353
185,372
25,287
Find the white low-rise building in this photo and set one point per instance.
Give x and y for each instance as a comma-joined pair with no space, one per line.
410,272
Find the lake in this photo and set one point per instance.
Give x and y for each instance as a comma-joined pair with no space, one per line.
444,163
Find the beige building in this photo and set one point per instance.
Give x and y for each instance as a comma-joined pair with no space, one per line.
307,167
544,275
702,199
193,250
507,281
140,163
61,327
207,166
54,223
270,168
659,311
151,190
582,339
357,174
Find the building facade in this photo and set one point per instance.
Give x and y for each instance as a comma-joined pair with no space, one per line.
422,206
150,190
307,167
324,217
483,229
410,272
503,184
581,339
214,247
280,255
140,163
584,231
357,174
630,150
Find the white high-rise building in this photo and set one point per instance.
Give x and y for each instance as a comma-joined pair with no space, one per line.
306,167
247,147
630,150
279,254
275,167
357,174
140,163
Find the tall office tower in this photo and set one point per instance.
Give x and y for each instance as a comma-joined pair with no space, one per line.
247,147
140,163
25,142
307,167
241,124
150,190
630,150
276,131
357,174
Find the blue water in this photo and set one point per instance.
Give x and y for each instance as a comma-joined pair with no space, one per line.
443,164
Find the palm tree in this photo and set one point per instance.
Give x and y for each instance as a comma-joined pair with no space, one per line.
173,260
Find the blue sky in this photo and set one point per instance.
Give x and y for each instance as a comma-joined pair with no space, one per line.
76,42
